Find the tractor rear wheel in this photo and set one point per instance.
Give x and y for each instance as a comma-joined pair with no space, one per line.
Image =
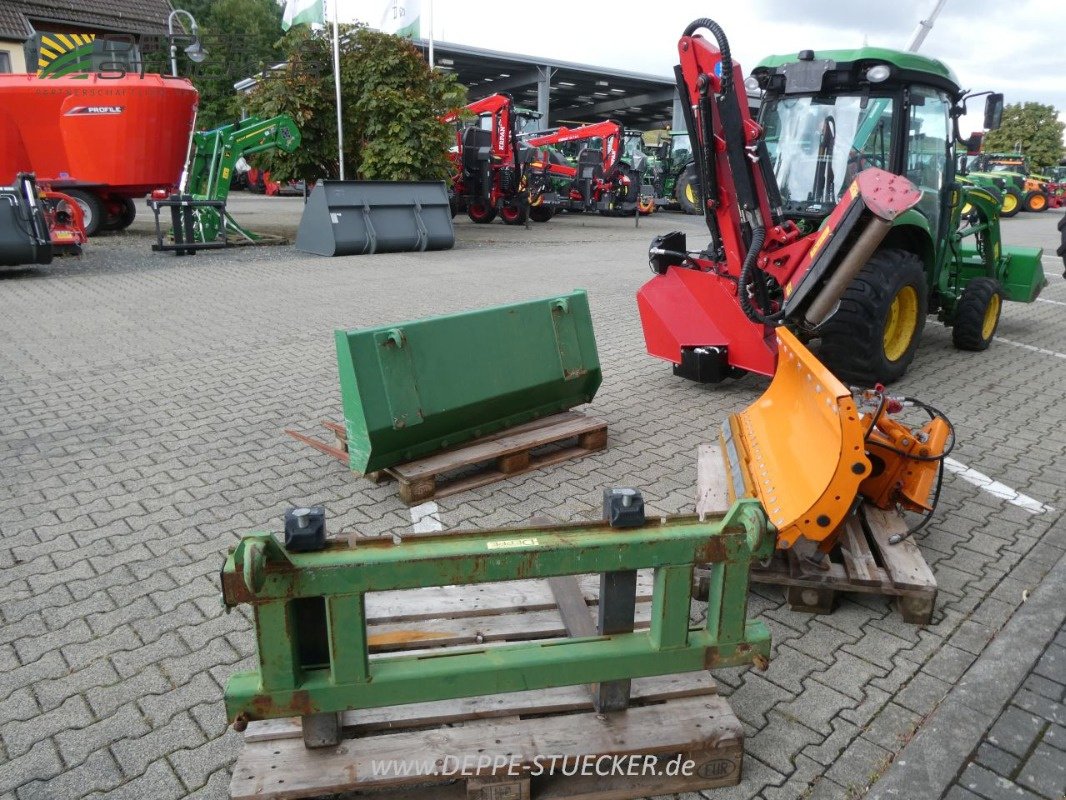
977,315
515,215
688,190
541,213
1012,202
1036,201
481,213
92,210
874,334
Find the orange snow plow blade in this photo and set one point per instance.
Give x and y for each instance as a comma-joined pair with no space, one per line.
799,449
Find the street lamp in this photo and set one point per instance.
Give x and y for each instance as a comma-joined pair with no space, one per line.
194,51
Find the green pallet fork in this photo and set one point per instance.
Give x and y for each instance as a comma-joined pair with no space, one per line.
311,626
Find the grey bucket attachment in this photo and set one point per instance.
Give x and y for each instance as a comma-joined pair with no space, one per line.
345,218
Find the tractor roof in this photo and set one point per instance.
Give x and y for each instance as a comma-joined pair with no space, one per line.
907,66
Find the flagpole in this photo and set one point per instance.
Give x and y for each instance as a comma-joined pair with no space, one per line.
431,34
337,85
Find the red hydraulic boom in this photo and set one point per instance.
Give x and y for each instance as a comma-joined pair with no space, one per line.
714,313
488,177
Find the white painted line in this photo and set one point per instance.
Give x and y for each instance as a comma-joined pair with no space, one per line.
1031,347
995,488
425,518
1053,302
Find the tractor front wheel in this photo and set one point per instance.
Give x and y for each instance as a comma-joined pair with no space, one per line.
977,315
120,214
1036,201
1012,202
481,213
688,190
515,215
874,334
92,210
541,213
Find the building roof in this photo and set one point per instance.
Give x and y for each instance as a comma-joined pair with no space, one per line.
579,92
120,16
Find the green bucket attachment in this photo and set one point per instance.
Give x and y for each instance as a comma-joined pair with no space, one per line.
418,387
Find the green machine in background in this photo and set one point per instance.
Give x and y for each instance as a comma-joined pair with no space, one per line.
414,388
215,156
198,211
311,623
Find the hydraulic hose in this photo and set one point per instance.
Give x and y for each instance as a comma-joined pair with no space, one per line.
723,47
747,274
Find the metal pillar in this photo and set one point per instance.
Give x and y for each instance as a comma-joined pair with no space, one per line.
678,122
544,78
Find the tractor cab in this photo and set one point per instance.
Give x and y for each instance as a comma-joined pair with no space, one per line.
829,115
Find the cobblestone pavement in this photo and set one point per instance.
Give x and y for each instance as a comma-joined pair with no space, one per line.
1023,755
143,399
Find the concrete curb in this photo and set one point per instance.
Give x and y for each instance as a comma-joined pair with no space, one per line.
930,762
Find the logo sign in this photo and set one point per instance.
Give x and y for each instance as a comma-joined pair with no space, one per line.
505,544
716,768
78,111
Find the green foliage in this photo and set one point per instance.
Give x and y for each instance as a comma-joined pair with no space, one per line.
1033,126
391,104
241,38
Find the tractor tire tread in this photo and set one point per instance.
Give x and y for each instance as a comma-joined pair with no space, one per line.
968,331
853,338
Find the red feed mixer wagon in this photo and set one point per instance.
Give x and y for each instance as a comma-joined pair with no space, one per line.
102,140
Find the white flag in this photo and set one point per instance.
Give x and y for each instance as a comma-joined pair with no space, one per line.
302,12
403,18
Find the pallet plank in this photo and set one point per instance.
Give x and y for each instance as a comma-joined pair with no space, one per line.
903,561
283,769
564,699
562,426
858,559
712,482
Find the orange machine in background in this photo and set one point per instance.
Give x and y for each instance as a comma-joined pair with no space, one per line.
104,141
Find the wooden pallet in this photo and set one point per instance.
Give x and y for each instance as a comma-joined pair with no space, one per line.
862,562
484,460
669,716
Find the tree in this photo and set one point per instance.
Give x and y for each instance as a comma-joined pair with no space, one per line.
1032,126
391,104
241,38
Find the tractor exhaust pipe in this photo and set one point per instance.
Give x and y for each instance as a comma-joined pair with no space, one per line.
825,302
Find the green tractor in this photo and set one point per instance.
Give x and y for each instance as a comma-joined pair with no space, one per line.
675,180
828,115
1010,196
1014,167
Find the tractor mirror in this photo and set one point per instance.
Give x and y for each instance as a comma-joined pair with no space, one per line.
993,111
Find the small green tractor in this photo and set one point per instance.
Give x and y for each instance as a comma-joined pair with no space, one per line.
1033,189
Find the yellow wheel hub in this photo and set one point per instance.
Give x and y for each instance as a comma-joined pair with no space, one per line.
690,195
1010,202
988,326
901,323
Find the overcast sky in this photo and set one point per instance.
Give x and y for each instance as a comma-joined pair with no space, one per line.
1017,47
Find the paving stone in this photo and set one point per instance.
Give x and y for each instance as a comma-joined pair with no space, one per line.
949,663
40,762
1055,735
1016,730
778,742
923,693
98,773
859,765
134,755
76,744
1035,704
1045,772
991,786
999,761
194,766
892,727
1045,688
19,736
158,782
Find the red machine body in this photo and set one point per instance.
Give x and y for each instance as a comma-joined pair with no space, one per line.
130,134
713,313
604,178
488,175
66,226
